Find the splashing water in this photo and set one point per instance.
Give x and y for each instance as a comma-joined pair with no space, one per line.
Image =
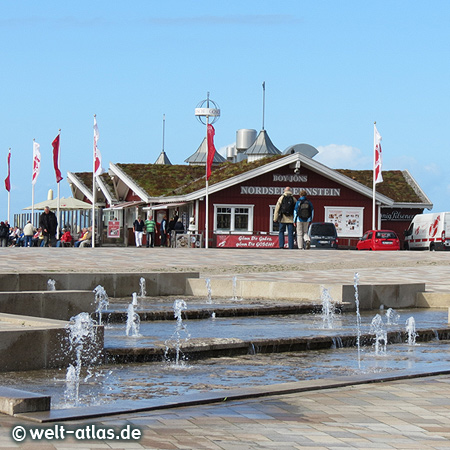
234,289
358,318
328,309
82,341
134,300
208,290
178,307
209,293
101,300
411,330
133,321
392,317
142,292
51,285
377,328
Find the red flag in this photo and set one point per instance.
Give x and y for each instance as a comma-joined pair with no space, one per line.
36,161
55,145
378,160
98,169
211,150
8,178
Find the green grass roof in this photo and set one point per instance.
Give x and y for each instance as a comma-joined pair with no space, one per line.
393,186
159,180
165,180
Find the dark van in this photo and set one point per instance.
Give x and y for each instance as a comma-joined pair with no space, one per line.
323,235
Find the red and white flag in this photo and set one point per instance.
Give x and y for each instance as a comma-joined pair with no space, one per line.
378,160
211,150
55,145
8,178
36,161
98,169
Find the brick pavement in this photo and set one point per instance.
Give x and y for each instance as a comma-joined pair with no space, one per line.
406,414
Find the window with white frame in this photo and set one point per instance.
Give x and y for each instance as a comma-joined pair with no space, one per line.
273,226
233,218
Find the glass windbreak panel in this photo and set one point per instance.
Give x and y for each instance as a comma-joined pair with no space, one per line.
323,229
224,219
241,219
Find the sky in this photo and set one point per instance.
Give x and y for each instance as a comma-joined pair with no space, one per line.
331,69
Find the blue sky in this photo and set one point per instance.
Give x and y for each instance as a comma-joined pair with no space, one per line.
331,69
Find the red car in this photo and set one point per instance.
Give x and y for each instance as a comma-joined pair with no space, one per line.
379,240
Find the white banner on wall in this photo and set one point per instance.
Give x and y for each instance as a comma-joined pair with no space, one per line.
348,221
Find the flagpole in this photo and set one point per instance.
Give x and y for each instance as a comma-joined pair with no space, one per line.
200,112
93,193
58,199
9,190
164,131
264,103
207,184
374,184
32,189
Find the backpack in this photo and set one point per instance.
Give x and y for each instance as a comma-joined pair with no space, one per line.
287,205
304,210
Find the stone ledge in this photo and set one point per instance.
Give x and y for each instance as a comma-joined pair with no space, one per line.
116,284
15,401
59,305
371,296
432,300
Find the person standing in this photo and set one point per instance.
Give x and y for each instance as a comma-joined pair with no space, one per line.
284,214
49,225
171,228
138,229
303,215
150,226
4,234
163,231
28,231
179,227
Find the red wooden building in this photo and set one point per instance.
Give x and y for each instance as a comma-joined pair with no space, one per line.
242,198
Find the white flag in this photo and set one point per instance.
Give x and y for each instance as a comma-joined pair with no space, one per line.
378,160
98,170
36,161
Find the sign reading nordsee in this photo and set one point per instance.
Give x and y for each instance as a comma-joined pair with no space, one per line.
207,112
272,190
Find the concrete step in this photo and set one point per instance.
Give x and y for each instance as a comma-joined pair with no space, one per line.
15,401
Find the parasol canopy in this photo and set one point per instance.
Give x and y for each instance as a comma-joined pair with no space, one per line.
67,204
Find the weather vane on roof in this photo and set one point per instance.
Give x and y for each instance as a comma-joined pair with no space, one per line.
207,109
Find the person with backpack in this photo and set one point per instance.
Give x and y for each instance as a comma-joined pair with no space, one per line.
284,214
303,215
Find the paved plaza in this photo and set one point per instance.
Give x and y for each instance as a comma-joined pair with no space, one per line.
404,414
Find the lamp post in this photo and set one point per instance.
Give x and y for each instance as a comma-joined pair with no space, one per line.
206,109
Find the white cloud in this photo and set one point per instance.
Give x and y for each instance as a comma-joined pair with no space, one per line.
343,157
433,169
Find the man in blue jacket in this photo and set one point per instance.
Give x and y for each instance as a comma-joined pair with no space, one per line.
303,215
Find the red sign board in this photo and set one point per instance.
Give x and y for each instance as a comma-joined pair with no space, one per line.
246,241
114,229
